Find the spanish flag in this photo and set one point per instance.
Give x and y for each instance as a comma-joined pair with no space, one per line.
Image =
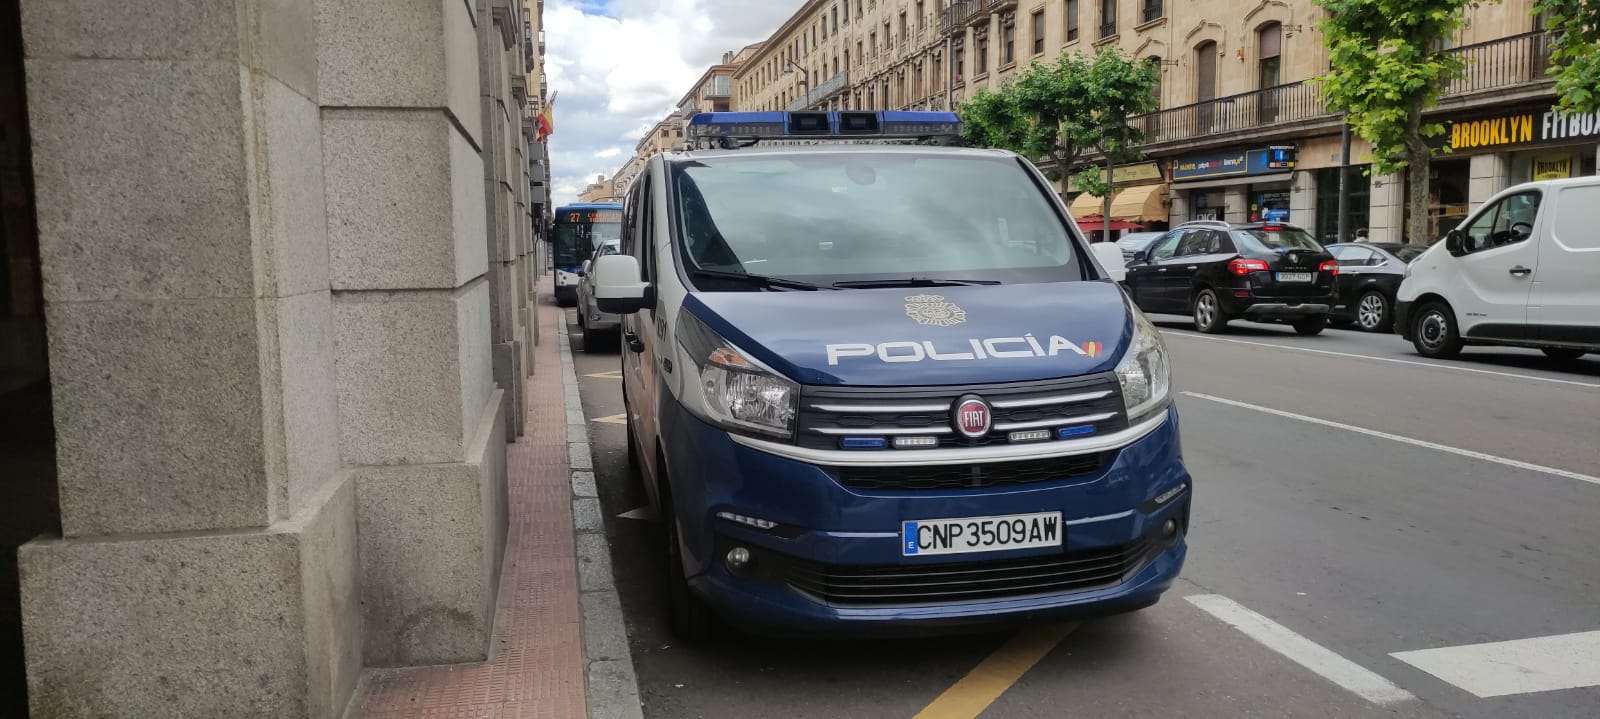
546,118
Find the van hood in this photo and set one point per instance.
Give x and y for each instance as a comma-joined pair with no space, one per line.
926,336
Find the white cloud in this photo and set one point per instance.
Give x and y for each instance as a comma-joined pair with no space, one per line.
621,65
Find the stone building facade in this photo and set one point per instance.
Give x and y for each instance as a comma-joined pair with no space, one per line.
1235,89
285,253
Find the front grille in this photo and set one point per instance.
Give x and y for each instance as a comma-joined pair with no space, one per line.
990,474
829,413
1060,573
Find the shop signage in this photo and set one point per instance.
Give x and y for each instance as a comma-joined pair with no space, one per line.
1125,174
1523,128
1552,168
1278,158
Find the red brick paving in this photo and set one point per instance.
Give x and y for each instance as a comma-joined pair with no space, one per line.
535,667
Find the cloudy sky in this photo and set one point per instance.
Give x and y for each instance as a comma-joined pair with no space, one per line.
621,65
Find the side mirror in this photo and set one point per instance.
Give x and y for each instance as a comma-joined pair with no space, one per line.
1454,242
1110,257
618,288
584,270
1140,256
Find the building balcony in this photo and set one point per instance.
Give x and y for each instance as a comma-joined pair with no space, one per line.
824,90
998,5
960,14
1512,62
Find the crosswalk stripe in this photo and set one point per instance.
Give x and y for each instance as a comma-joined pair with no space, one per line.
1311,655
1519,666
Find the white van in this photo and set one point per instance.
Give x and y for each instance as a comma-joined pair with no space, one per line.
1522,271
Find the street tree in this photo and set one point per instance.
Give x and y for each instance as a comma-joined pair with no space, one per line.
1575,51
1055,113
1388,68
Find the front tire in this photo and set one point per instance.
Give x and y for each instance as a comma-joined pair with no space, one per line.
690,618
1433,332
1373,313
1209,316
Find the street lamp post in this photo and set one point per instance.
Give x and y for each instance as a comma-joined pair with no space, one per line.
805,76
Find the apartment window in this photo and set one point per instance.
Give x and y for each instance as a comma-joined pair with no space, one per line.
847,57
824,27
1269,44
1154,10
834,15
1008,45
1155,62
903,26
922,16
1108,18
872,40
858,9
1072,20
1038,32
859,54
888,35
960,63
983,56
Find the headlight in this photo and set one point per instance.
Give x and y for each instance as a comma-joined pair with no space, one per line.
734,391
1144,372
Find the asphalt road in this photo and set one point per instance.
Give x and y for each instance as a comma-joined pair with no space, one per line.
1354,502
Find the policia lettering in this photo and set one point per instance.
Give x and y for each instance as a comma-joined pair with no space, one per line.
981,349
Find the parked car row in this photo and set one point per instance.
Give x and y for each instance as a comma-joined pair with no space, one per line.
1522,271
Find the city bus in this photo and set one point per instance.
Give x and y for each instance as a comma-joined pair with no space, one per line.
575,233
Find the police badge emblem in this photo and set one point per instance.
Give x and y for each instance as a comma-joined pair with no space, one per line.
934,310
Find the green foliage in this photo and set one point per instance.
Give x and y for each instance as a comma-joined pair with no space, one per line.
1386,71
1093,181
1576,51
1055,112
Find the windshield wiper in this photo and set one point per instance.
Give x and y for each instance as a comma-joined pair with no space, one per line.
758,280
913,282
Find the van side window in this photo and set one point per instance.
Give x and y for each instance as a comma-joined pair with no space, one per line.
646,251
1507,222
630,217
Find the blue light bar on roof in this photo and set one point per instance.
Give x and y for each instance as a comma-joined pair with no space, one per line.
831,125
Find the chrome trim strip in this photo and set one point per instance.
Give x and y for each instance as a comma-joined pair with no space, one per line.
1057,422
1101,518
1055,399
879,408
955,455
868,431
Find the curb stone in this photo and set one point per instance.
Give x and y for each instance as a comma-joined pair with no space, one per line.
611,687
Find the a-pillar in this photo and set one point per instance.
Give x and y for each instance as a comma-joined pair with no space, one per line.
1490,173
421,424
1387,209
209,561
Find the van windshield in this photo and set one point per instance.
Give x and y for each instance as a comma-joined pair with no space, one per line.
828,216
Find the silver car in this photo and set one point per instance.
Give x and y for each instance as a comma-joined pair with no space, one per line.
600,329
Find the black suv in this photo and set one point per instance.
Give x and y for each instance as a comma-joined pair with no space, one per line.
1219,271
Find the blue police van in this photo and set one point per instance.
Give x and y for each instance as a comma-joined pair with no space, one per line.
878,383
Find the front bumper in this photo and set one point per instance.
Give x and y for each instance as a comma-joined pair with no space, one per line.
826,529
1402,319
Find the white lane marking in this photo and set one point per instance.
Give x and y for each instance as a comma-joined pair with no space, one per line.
1311,655
1520,666
1519,464
1435,365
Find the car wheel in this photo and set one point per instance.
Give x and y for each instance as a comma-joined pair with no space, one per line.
1309,326
1562,354
691,619
1433,332
1208,314
1373,313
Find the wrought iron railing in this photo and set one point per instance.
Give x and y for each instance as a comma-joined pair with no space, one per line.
1154,10
1500,63
822,91
1107,29
1506,62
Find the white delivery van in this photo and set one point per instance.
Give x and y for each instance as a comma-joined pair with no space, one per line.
1522,271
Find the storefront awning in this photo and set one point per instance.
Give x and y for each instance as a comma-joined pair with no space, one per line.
1140,203
1094,224
1085,205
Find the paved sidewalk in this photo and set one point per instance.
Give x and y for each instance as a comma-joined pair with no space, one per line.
537,664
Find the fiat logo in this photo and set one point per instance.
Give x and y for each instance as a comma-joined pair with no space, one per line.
971,417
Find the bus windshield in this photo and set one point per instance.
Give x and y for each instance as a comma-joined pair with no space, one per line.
577,232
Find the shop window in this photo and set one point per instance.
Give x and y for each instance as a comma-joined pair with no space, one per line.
1326,226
